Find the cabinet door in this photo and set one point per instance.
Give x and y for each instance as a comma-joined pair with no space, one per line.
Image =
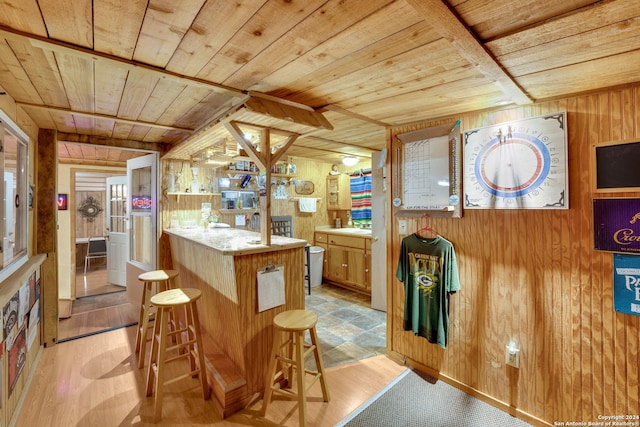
347,266
355,268
367,271
338,192
336,263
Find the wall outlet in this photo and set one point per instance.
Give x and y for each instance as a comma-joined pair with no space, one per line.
402,225
512,357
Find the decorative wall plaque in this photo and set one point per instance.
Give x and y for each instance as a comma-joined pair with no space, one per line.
90,208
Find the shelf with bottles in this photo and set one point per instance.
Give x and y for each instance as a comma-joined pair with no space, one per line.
244,166
186,193
238,210
242,173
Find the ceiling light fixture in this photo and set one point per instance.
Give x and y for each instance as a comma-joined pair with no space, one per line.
349,160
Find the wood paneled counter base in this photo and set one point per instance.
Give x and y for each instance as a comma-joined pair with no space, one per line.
223,264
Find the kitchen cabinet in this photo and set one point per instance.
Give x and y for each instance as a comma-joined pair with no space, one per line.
338,192
347,262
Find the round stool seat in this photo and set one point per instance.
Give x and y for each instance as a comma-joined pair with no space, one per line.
295,320
175,297
158,275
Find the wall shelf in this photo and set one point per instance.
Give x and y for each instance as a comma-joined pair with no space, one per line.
237,172
238,211
183,193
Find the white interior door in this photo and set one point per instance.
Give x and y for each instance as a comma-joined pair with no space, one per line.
378,233
117,237
142,208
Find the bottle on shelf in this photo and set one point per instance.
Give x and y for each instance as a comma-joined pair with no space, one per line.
171,180
195,186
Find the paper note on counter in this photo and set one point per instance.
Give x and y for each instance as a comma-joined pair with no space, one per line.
270,288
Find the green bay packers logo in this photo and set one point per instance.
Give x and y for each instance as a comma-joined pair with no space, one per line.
426,282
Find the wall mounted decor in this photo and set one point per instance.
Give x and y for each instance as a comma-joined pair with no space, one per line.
517,165
616,225
614,166
90,208
426,177
62,202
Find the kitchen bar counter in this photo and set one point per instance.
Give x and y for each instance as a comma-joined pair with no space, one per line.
223,263
234,241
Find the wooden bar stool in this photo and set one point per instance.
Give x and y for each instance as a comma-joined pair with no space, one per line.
165,280
166,302
291,355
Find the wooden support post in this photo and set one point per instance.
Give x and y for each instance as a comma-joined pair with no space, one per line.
46,229
264,159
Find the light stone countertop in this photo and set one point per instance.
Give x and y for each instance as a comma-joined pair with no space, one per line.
347,231
234,241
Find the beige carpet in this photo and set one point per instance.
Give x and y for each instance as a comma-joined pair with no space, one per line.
414,399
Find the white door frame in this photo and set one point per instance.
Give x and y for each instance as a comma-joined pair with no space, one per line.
117,240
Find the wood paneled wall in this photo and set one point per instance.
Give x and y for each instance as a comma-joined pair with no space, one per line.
187,207
533,276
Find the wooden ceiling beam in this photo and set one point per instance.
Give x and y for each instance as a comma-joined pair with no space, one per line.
102,116
69,49
111,142
447,22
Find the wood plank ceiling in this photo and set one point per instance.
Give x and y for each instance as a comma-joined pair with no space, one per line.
158,73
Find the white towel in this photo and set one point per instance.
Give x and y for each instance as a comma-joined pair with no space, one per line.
307,204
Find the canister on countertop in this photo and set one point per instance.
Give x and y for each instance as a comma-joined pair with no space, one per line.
338,223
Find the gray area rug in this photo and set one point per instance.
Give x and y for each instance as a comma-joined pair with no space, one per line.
416,400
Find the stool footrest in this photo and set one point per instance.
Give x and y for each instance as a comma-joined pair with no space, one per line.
308,384
180,345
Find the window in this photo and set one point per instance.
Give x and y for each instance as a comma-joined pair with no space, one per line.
14,195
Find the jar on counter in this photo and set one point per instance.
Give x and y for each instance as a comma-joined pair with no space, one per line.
338,223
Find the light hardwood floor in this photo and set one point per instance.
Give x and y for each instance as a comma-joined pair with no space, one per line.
95,382
99,306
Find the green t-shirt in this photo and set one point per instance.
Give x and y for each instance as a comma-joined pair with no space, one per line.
429,271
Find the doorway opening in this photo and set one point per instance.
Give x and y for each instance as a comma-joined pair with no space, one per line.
96,302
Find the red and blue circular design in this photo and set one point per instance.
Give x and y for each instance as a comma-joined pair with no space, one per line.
512,167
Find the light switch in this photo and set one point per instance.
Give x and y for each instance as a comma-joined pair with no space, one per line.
403,226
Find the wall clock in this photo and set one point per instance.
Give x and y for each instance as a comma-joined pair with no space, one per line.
517,165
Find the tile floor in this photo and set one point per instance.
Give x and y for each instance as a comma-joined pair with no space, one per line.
348,328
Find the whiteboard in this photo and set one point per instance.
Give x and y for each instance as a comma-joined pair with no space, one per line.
426,183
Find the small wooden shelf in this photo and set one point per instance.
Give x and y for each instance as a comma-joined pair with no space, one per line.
238,211
237,172
184,193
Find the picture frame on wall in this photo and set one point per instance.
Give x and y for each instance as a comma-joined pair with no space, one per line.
615,166
517,165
